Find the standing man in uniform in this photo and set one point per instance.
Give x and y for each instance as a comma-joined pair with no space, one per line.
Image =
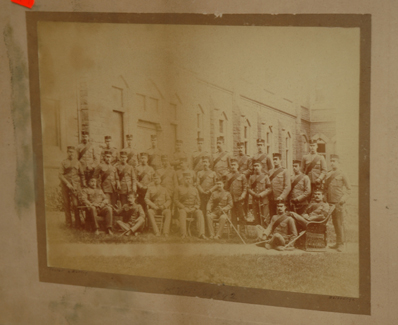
237,186
300,193
221,162
126,176
158,201
206,182
314,165
167,176
132,158
219,205
154,154
177,155
259,189
280,183
98,206
108,178
144,175
112,150
262,157
338,189
198,155
183,170
87,157
243,160
71,177
187,201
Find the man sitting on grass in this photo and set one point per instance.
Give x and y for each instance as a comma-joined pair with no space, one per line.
97,205
132,214
217,208
281,230
316,211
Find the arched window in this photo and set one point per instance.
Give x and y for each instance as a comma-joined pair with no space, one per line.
269,139
288,152
222,127
246,135
304,144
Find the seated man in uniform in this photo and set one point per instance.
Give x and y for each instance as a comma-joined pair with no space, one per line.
217,208
133,216
316,211
187,201
281,231
98,206
158,201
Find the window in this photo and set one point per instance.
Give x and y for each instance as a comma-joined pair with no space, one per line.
268,140
141,102
245,132
221,126
289,152
198,120
321,148
305,144
153,105
173,111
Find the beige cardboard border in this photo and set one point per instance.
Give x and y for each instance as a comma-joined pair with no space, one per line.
185,288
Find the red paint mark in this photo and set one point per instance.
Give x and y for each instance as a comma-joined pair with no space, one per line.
25,3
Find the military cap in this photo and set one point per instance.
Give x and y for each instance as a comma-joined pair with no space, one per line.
144,154
135,194
256,161
70,148
280,201
129,136
334,156
206,157
183,159
220,138
123,153
164,157
297,162
108,137
154,137
313,142
179,141
84,132
241,144
186,174
108,152
200,139
260,141
233,160
319,188
277,154
92,177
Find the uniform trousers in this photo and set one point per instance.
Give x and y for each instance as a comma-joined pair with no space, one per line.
197,215
111,197
204,199
166,213
238,213
261,213
298,208
70,203
338,222
96,213
219,217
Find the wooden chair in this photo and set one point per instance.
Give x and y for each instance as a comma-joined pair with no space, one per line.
227,225
315,237
159,219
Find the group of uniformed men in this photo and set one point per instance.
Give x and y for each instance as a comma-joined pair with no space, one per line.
202,187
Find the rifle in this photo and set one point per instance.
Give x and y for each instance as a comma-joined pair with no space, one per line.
234,227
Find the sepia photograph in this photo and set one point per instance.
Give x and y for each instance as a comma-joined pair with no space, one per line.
223,154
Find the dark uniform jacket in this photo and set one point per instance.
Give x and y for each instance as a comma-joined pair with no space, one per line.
287,228
86,155
337,186
132,156
265,160
126,177
71,172
206,180
221,163
144,175
130,213
187,197
237,186
115,154
108,177
157,196
318,171
260,184
302,189
197,164
168,178
154,159
244,165
94,196
280,184
220,200
316,211
180,176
